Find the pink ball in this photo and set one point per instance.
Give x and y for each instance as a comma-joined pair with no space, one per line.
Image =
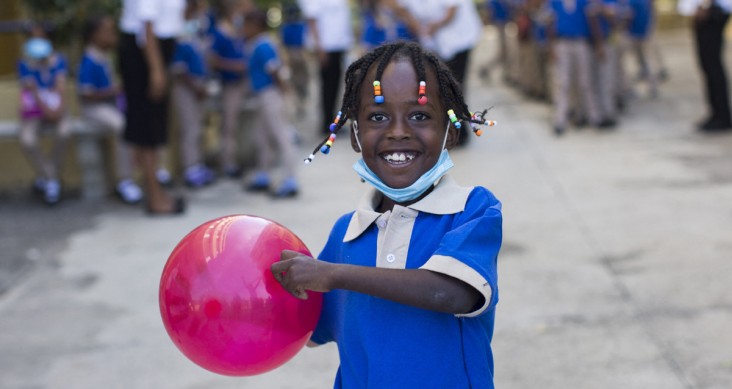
221,305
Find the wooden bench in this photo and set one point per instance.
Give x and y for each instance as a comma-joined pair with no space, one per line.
89,153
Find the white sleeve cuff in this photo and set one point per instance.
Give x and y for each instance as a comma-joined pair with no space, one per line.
454,268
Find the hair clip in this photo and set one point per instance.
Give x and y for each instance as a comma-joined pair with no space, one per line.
422,100
454,118
378,98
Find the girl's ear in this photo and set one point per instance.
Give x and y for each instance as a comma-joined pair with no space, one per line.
354,133
453,135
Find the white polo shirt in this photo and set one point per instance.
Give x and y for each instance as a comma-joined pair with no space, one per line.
333,20
166,16
462,33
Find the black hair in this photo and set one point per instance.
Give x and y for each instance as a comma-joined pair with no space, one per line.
91,25
257,17
450,91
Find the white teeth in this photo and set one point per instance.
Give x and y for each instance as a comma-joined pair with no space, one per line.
399,157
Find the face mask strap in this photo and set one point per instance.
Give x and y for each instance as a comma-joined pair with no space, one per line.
355,132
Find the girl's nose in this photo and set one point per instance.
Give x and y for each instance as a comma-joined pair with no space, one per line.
399,131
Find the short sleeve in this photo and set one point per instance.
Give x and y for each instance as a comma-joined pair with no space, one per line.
309,8
181,57
469,252
24,74
146,10
268,57
217,46
86,76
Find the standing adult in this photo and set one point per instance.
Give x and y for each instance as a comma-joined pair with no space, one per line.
709,20
329,24
149,28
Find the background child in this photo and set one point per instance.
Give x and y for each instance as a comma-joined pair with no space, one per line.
227,59
271,121
99,98
294,30
189,92
411,274
42,74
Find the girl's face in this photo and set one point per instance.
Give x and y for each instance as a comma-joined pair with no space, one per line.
105,36
401,139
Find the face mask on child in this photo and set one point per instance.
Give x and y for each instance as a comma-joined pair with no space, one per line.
423,183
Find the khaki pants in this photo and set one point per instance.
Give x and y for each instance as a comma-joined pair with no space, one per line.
606,80
190,117
572,66
107,116
44,166
272,126
231,98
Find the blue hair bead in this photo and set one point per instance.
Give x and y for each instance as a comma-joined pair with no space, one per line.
332,127
379,99
325,149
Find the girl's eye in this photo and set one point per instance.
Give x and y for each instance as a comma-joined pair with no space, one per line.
419,116
377,117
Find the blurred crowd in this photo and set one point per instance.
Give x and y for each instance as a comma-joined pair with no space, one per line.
569,53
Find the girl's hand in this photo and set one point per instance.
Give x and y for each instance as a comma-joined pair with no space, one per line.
298,273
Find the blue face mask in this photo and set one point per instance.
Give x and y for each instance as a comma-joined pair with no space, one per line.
418,188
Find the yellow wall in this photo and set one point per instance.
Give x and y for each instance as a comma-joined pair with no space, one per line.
9,42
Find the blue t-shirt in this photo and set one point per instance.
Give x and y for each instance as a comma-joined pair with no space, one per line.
293,34
44,77
373,34
95,72
228,48
188,59
382,344
263,60
571,23
640,24
499,10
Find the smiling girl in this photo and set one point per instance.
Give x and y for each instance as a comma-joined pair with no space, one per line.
410,276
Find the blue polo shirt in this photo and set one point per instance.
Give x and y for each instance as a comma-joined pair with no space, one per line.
188,59
293,34
571,23
229,48
640,24
499,10
263,61
95,72
44,77
382,344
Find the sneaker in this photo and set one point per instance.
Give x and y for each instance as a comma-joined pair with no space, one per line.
128,191
164,177
558,131
260,183
606,124
287,189
52,192
198,176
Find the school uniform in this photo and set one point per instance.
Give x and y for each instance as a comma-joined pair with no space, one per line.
572,60
44,78
293,35
189,61
500,15
604,69
271,123
640,31
233,85
454,231
332,19
146,120
95,75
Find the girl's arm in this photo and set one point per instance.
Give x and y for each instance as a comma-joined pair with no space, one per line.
415,287
228,65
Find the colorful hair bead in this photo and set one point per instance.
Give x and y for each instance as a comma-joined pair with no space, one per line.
333,126
422,99
477,119
454,119
328,144
378,98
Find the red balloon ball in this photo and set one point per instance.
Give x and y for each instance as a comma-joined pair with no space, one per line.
222,306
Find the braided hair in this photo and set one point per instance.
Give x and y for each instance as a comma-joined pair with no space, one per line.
450,91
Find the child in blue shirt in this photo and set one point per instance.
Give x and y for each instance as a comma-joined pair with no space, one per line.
227,60
271,123
42,74
410,276
99,97
293,32
189,91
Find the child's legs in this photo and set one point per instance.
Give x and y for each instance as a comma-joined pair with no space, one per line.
261,136
583,54
231,96
605,82
562,78
651,68
29,140
109,117
278,128
299,69
190,118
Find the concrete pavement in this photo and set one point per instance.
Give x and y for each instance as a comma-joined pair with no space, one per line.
614,273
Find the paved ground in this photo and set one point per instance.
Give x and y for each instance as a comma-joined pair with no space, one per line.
615,270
